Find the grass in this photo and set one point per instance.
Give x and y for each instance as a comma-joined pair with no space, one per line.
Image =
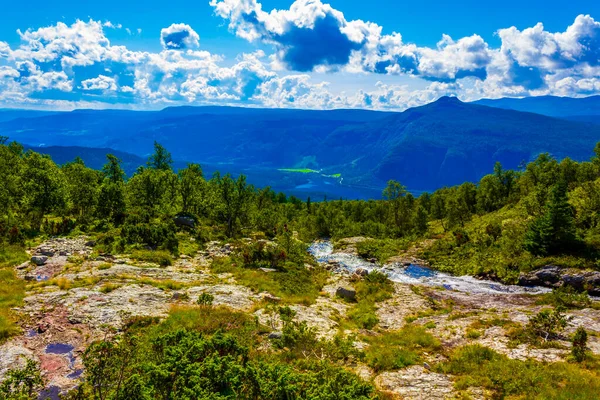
565,297
382,249
12,289
293,283
399,349
479,366
372,289
299,170
109,287
160,257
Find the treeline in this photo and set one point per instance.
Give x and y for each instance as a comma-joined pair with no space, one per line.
560,202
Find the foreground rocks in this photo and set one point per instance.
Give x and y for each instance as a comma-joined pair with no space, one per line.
554,277
88,299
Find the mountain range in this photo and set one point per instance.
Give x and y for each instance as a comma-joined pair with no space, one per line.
347,153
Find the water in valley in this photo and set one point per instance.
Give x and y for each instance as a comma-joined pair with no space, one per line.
416,274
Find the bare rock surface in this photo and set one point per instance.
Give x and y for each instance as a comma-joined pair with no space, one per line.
415,382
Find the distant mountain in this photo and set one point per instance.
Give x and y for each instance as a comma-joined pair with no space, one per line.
548,105
93,157
592,119
443,143
8,114
449,142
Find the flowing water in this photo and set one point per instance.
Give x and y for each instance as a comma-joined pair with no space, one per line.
416,274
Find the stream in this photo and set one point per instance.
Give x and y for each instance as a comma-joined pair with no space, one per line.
416,274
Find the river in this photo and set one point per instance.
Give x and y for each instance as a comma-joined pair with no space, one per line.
322,250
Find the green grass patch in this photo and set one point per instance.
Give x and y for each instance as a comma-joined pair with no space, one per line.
478,366
299,170
292,283
399,349
382,249
160,257
372,289
12,289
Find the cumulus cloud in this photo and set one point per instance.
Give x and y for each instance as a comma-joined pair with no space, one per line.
70,65
179,37
311,35
102,82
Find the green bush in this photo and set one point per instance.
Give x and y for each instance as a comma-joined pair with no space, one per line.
155,234
566,297
579,344
399,349
22,383
205,299
479,366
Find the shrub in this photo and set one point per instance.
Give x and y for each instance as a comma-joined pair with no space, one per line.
567,297
22,383
395,350
548,323
156,234
579,344
479,366
205,299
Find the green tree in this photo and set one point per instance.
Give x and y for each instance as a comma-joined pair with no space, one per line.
553,232
152,191
111,199
44,186
394,193
83,186
192,187
161,159
235,198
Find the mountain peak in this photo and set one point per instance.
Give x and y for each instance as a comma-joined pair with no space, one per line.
448,100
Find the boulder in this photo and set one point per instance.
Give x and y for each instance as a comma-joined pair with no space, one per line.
184,222
39,260
46,251
361,272
266,296
346,293
547,276
275,335
552,276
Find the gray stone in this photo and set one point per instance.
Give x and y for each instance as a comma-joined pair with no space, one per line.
361,272
346,293
39,260
275,335
184,222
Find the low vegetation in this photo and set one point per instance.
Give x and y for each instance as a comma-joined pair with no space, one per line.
12,289
478,366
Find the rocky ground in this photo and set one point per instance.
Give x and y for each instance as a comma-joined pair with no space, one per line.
77,298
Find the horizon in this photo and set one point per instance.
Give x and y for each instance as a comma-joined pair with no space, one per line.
260,107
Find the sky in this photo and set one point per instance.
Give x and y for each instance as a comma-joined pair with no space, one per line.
377,54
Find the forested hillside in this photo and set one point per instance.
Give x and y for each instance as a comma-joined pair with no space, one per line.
511,222
443,143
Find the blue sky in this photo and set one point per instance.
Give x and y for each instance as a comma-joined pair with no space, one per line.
309,54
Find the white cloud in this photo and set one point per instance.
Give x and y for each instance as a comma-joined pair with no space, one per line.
179,37
79,59
102,82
